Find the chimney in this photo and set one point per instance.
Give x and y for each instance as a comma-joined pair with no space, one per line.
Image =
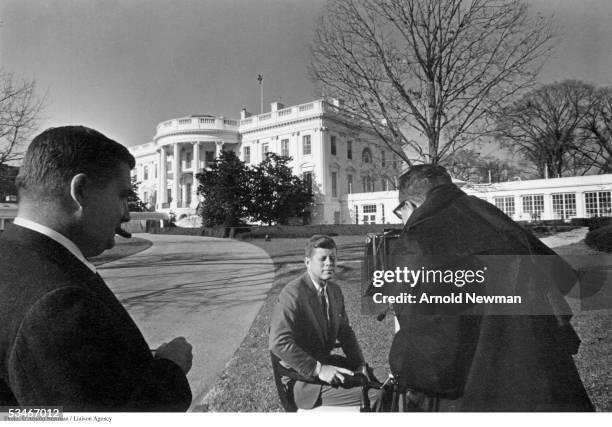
338,102
275,106
244,114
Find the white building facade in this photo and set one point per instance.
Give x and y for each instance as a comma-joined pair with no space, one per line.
527,200
553,198
8,212
326,148
353,174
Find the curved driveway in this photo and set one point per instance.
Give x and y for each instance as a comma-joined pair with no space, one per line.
205,289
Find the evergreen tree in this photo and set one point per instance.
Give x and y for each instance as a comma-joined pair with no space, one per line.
277,194
134,202
225,188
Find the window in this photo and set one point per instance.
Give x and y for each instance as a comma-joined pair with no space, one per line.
349,180
145,172
306,149
307,177
395,162
366,156
188,159
564,205
367,184
386,184
356,214
210,157
349,149
285,147
333,145
264,149
369,214
145,197
334,183
336,217
598,203
155,171
383,161
188,194
506,205
534,206
246,154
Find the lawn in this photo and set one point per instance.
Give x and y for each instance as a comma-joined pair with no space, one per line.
123,247
246,385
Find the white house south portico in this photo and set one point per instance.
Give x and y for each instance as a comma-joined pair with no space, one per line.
325,144
181,148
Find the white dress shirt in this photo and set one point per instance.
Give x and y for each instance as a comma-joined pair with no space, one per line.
59,238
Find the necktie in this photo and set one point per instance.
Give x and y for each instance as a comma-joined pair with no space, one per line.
324,305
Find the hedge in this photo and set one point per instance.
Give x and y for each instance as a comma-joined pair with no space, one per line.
599,221
278,231
600,239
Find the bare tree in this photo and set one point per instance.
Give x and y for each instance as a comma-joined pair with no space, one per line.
595,144
20,110
426,75
469,165
544,126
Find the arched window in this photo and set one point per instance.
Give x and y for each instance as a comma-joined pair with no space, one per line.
366,156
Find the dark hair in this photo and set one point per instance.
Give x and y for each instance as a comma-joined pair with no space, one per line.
58,154
318,241
419,179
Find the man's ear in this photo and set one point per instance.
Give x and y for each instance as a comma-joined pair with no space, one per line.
78,189
306,261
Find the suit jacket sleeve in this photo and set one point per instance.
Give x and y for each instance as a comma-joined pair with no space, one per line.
72,339
283,329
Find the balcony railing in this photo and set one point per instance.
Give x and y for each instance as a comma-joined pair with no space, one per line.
290,113
196,123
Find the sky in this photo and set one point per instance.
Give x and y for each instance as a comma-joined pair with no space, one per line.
123,66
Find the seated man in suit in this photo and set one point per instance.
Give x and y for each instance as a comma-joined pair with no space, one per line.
65,339
307,321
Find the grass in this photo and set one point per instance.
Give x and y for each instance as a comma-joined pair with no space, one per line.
247,385
123,247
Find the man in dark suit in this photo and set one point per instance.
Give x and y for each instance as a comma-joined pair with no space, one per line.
485,356
308,320
65,339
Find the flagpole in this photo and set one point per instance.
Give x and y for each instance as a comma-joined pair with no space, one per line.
261,96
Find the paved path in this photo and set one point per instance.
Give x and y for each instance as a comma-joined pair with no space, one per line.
205,289
566,237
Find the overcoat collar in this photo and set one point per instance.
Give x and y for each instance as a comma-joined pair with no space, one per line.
436,200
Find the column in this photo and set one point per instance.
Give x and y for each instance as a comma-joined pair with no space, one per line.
175,172
580,205
219,148
548,207
519,211
163,179
196,170
196,158
322,155
184,196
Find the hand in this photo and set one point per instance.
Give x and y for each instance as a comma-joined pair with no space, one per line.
330,373
363,370
179,351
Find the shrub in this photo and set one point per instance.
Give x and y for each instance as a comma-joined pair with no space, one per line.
599,221
580,222
600,239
